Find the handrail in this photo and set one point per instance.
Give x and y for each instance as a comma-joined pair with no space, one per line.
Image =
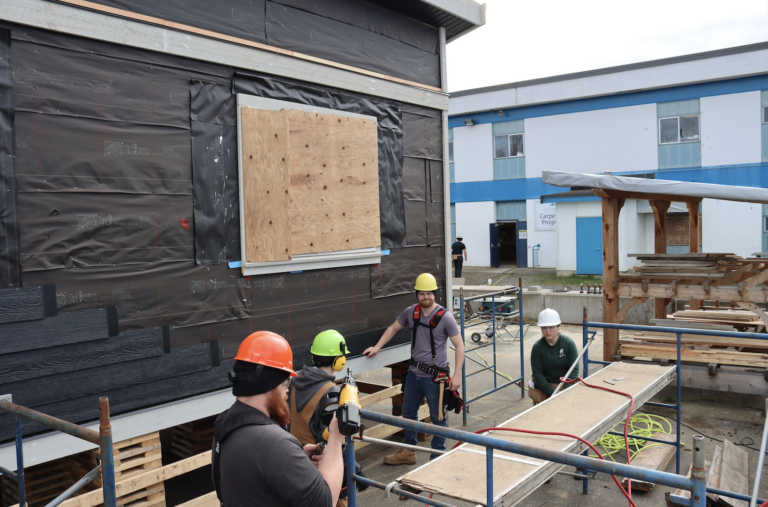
102,438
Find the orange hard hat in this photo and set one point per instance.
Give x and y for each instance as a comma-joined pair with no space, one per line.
268,349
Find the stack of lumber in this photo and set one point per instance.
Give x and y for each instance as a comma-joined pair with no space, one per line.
43,483
132,457
710,265
725,317
695,348
193,437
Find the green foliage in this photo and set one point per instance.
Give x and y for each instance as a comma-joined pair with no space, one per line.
562,281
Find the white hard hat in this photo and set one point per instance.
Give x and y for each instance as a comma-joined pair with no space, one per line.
549,317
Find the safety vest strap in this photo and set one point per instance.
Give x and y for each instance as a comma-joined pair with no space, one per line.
433,323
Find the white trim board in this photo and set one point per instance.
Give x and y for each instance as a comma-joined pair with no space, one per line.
72,20
325,260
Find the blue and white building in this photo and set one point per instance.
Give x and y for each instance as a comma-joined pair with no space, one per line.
700,118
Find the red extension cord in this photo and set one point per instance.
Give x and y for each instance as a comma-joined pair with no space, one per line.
627,494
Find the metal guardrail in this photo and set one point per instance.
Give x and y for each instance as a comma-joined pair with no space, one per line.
492,367
102,438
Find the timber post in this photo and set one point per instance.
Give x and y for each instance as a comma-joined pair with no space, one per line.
693,237
660,247
611,207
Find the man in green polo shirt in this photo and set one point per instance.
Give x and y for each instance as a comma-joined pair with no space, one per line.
551,357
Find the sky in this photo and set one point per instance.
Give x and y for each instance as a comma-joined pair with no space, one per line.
532,39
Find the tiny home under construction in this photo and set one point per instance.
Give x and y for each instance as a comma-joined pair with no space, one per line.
177,175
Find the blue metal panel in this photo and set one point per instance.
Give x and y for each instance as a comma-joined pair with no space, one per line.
671,94
678,108
589,246
509,168
510,210
745,175
495,245
672,156
509,127
576,198
765,142
521,245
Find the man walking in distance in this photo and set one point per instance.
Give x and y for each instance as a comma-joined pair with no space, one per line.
431,327
458,249
255,460
551,356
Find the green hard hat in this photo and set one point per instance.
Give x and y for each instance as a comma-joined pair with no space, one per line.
329,343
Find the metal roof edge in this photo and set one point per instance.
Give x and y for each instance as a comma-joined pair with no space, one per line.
619,68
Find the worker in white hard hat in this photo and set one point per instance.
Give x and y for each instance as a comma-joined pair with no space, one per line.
551,356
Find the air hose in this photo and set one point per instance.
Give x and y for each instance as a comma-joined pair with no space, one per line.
642,425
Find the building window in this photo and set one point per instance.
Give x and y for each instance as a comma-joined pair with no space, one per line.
765,114
508,146
450,151
679,129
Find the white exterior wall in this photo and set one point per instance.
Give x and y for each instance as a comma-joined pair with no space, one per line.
660,76
473,153
617,140
547,239
567,213
732,227
730,129
472,223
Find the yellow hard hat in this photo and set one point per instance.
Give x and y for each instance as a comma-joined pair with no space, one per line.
425,282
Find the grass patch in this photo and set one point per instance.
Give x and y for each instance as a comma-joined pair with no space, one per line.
561,281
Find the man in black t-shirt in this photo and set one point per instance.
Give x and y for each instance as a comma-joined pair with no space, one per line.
458,250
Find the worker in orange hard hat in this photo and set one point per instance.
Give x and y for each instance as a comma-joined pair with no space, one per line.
255,459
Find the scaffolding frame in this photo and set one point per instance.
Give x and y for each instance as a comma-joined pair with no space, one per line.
517,292
102,438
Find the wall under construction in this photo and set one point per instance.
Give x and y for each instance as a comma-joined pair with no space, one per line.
120,180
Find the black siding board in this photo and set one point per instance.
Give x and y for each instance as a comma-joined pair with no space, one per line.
67,328
64,386
86,408
28,303
80,356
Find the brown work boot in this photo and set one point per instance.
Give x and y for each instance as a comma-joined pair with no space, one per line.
401,457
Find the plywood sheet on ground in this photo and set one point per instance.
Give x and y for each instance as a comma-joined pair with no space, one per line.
586,412
265,185
334,174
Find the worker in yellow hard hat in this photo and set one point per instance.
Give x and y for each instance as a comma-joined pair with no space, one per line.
431,329
551,357
255,460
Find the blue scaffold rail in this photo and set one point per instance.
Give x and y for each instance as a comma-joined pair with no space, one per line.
492,322
102,438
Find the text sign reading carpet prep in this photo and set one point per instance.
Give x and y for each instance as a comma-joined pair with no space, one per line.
546,216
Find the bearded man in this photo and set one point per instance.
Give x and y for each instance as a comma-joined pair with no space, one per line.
256,461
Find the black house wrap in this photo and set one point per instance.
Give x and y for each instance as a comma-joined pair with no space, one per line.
119,180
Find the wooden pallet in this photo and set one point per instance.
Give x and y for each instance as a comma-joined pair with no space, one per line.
193,437
43,483
132,457
631,348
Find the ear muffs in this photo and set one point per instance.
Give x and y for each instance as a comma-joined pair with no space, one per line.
339,363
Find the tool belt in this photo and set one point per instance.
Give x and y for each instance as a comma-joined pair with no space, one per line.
435,371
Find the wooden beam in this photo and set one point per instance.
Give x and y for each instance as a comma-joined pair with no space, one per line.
624,309
642,196
752,307
754,294
610,273
660,208
385,430
693,226
209,500
137,482
758,279
387,393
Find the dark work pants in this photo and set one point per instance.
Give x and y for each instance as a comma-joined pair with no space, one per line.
458,263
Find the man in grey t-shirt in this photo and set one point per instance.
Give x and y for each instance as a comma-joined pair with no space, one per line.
419,384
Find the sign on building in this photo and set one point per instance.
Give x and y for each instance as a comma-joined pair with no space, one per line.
546,217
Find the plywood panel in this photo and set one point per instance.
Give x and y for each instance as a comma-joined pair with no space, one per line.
266,184
334,183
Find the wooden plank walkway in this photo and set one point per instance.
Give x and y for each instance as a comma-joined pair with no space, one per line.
589,413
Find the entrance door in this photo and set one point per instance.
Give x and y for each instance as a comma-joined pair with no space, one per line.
522,244
589,246
508,242
495,246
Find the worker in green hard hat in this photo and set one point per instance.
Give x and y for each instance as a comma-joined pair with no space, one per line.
314,389
314,396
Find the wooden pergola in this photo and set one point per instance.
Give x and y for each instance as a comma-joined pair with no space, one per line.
749,275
